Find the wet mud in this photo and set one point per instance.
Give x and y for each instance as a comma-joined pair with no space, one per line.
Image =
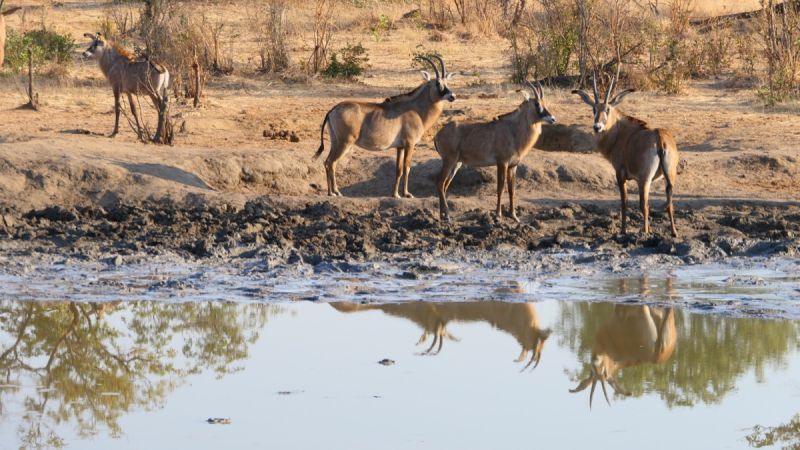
320,231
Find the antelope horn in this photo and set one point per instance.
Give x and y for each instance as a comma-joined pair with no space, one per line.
610,87
90,36
594,87
605,392
541,89
582,385
441,61
535,90
427,60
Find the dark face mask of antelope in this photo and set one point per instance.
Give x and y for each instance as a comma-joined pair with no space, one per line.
441,86
96,48
602,108
537,110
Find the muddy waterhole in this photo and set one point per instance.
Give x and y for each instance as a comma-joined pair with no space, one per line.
162,355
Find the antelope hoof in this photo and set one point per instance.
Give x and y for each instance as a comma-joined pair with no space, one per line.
337,193
515,218
444,217
408,195
396,195
113,134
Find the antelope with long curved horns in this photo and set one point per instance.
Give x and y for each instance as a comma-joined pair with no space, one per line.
399,122
127,75
636,151
634,335
503,142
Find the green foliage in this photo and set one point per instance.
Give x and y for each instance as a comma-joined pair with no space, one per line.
381,27
46,46
352,64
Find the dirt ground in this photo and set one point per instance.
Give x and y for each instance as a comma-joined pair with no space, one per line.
225,187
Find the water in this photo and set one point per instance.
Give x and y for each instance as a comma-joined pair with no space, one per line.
303,375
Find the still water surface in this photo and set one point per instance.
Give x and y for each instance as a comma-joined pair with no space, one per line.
467,375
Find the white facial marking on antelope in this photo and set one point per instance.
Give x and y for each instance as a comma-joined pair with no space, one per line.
127,75
399,122
636,151
503,142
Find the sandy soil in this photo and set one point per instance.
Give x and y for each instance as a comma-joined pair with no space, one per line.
739,175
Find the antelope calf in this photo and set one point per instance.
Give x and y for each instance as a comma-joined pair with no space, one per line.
127,75
636,151
398,122
503,142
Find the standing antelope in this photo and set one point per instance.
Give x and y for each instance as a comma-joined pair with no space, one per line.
503,142
399,122
128,75
636,151
3,28
634,335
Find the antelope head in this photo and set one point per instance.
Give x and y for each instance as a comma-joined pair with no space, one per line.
603,369
534,107
97,46
536,347
603,110
440,91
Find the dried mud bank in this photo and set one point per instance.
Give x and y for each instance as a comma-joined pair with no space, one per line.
320,232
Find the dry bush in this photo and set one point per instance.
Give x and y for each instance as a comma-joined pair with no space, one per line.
481,16
779,28
323,31
268,20
543,42
175,35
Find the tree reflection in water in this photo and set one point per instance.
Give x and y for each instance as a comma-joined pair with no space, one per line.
89,363
787,435
712,352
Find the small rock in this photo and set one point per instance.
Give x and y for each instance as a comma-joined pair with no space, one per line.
219,420
386,362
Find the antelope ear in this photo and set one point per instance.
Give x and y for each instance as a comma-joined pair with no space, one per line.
89,35
621,96
450,76
584,96
525,94
425,75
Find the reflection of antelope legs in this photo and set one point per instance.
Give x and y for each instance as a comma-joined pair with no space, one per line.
439,336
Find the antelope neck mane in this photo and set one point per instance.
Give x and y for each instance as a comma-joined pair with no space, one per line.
633,121
123,52
507,115
407,96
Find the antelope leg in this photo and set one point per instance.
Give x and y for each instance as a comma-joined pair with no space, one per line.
623,194
644,203
409,153
398,173
502,170
512,181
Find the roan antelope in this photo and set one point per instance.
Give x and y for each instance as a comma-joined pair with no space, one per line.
3,28
634,335
128,75
399,122
520,320
503,142
636,151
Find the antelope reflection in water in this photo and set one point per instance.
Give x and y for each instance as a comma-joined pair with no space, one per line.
517,319
632,336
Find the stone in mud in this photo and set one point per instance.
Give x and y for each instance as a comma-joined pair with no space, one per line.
54,214
386,362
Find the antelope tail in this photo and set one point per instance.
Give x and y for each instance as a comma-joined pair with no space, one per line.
322,135
662,159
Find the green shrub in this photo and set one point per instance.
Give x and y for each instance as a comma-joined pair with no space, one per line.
353,62
421,52
46,46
